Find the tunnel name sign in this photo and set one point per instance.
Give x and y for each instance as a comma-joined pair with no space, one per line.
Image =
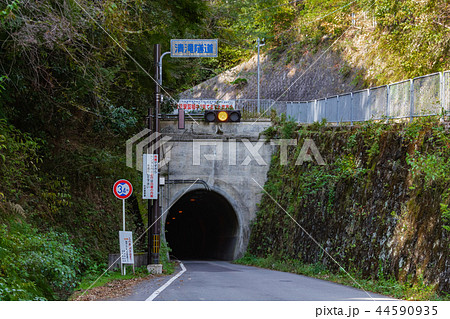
193,48
150,176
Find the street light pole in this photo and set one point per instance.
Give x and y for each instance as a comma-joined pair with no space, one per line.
259,45
160,66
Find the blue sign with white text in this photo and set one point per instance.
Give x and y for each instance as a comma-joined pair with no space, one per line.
194,48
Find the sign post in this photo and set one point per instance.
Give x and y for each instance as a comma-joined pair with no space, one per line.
123,189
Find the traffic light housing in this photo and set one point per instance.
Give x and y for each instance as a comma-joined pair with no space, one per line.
221,116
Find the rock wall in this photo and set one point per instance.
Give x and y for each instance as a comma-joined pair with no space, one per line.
375,207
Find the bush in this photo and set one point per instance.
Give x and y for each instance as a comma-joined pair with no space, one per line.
35,265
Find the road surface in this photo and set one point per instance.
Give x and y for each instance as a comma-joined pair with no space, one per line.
220,280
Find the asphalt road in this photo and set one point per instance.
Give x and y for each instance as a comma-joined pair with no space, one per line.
220,280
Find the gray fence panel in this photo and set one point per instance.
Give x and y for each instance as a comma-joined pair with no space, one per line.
427,99
345,108
378,102
297,111
321,110
331,112
361,107
399,99
290,111
309,110
304,110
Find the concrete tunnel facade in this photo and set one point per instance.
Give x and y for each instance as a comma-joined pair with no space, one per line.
211,219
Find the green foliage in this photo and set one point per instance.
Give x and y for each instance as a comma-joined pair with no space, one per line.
239,82
36,265
432,165
7,11
168,266
281,127
413,42
3,78
19,158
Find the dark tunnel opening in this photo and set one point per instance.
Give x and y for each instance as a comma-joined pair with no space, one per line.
202,225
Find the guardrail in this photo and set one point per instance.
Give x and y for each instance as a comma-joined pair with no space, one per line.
422,96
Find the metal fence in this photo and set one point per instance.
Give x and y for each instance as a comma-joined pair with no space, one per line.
250,106
421,96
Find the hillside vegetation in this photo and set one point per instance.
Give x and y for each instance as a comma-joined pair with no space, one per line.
322,50
70,96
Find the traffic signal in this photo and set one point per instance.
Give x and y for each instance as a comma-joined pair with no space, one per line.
223,116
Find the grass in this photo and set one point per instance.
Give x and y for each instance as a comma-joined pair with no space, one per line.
386,286
92,275
96,272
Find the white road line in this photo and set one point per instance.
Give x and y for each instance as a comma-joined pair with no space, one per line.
167,284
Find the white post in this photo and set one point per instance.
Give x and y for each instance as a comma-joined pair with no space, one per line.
123,213
122,266
411,100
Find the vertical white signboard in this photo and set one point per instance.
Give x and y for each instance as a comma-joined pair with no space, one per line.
126,247
150,176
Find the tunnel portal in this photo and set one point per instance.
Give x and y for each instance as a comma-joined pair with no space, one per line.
202,225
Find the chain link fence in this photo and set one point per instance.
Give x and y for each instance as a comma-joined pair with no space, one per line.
421,96
249,107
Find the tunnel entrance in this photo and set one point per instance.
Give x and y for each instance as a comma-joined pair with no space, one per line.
202,225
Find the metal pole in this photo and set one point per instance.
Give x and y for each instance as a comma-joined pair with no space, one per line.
351,108
156,210
123,213
441,91
388,100
259,45
122,266
160,66
258,107
411,100
337,110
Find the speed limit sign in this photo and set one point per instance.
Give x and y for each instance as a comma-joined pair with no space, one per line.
122,189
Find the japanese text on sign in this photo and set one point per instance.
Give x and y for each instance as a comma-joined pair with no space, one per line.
193,48
126,247
150,176
202,105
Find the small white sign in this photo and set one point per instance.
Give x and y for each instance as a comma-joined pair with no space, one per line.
126,247
150,176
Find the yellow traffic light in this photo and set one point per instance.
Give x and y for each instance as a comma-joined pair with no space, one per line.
222,116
